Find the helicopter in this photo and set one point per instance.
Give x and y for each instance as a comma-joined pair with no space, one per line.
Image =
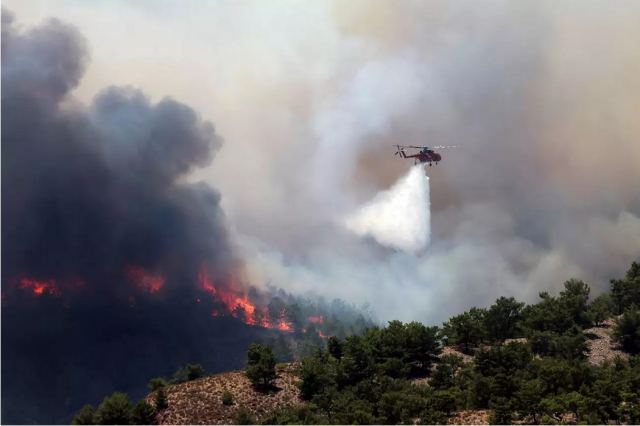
425,155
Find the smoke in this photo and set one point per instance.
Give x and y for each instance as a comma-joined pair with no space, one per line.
398,217
540,96
113,263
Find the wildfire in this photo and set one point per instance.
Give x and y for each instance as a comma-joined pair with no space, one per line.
39,287
144,279
235,304
238,304
316,319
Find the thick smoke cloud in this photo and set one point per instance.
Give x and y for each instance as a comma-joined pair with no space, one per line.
539,97
90,194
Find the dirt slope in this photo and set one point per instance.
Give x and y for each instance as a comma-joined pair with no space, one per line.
200,401
601,346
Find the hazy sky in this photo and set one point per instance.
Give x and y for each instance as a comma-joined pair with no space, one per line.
542,96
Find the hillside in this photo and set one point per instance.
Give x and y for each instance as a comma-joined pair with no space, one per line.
200,401
566,359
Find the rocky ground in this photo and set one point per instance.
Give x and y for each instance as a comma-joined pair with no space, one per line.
200,401
601,346
470,417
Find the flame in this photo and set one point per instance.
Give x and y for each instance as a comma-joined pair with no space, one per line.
144,279
283,325
39,287
238,304
235,303
316,319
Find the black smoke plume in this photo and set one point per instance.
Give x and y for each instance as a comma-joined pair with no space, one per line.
94,202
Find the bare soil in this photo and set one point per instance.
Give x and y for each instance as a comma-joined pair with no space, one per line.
200,401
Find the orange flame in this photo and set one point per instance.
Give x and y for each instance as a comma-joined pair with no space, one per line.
144,279
235,303
238,304
39,287
316,319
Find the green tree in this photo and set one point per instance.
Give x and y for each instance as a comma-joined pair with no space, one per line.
261,366
357,361
421,346
570,345
114,409
626,292
316,375
143,414
502,318
550,314
334,346
627,330
600,309
575,298
86,416
156,383
465,329
527,399
443,376
161,400
501,414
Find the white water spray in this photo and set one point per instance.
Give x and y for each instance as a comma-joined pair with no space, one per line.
399,217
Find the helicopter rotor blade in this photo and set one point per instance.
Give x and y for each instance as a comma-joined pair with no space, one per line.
445,146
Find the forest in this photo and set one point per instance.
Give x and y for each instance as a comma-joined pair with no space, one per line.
526,363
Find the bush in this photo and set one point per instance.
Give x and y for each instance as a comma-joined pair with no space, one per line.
627,330
244,417
143,414
600,309
227,398
570,345
626,292
501,414
161,399
316,374
86,416
261,366
334,346
114,410
156,383
187,373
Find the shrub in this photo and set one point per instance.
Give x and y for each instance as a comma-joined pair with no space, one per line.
143,414
161,399
114,410
156,383
244,417
227,398
627,330
261,366
600,309
86,416
187,373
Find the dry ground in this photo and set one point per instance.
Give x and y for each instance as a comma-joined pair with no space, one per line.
601,346
200,401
